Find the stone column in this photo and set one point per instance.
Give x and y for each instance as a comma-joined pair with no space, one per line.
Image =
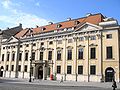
86,63
44,72
16,60
64,59
100,56
6,52
10,60
23,60
55,56
75,58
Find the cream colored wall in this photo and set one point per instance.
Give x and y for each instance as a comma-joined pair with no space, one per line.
74,62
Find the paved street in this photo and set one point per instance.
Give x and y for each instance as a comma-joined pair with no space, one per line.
16,84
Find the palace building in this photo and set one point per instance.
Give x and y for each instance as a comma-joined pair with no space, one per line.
86,49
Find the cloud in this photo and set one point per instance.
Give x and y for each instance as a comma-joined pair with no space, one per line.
6,4
18,16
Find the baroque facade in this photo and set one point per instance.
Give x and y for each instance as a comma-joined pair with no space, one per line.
83,49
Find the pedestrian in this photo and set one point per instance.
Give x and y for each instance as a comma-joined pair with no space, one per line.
114,85
61,79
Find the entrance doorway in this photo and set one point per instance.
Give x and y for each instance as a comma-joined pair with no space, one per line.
109,74
1,71
40,72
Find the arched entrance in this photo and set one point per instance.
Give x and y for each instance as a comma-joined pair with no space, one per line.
40,72
109,74
1,71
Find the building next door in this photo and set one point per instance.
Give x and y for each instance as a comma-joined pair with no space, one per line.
40,72
109,74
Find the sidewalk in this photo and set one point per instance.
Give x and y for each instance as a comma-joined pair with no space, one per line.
57,83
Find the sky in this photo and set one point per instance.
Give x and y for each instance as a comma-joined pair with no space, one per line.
39,12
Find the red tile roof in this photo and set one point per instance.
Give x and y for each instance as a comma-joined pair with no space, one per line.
94,19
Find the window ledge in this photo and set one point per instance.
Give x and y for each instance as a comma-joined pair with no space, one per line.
93,59
81,59
110,58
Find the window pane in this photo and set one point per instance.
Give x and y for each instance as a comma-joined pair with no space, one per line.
25,68
8,56
33,55
26,56
109,36
41,55
13,56
19,68
92,53
50,55
12,68
59,55
80,69
69,69
92,69
20,56
109,52
69,55
58,69
2,57
80,53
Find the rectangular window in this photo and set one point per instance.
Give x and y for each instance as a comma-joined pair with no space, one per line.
13,56
12,68
6,67
58,69
69,55
92,70
92,53
8,55
69,69
109,52
27,45
69,40
33,55
80,69
34,44
41,55
50,55
3,47
51,42
19,68
80,53
59,41
26,56
2,57
25,68
42,43
109,36
81,38
59,55
20,56
92,37
20,46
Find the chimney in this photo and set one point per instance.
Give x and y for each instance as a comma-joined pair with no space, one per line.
88,14
20,25
37,26
50,23
68,19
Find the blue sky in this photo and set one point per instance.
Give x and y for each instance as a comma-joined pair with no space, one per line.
39,12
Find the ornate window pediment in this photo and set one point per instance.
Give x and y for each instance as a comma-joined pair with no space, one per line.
69,47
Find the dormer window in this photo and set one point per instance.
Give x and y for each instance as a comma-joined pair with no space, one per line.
77,22
43,28
58,25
